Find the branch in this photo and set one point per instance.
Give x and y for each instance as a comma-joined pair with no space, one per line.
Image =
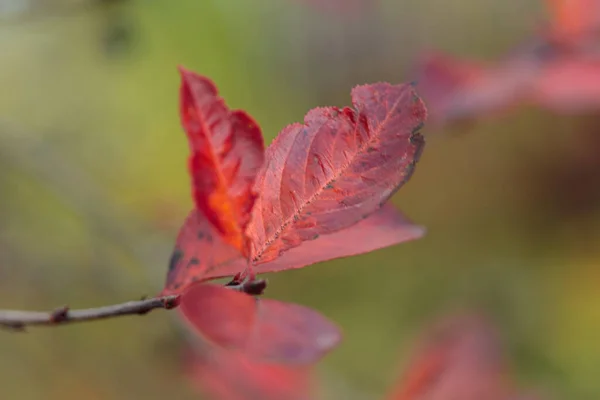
18,320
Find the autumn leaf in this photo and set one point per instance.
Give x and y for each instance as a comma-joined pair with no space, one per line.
460,358
458,90
227,150
558,69
354,161
261,329
462,89
224,375
200,254
335,169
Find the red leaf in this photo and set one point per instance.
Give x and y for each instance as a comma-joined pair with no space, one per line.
201,255
231,376
262,329
460,359
458,90
227,151
558,69
336,169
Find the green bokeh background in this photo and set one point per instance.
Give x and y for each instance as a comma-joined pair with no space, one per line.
93,187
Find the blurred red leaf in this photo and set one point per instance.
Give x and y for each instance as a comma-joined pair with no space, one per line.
201,255
231,376
336,169
460,359
227,150
558,69
457,90
262,329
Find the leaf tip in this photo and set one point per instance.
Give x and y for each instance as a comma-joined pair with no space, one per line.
418,231
329,340
190,79
184,72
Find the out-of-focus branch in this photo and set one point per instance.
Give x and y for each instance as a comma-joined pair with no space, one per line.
18,320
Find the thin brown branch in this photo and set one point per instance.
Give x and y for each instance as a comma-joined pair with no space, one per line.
18,320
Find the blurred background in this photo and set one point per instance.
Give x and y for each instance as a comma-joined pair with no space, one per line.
93,188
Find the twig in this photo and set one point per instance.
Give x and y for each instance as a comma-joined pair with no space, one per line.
18,320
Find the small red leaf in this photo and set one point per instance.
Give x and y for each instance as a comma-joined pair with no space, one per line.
200,253
336,169
458,90
265,330
227,150
231,376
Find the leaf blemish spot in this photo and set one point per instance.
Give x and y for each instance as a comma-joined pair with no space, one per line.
175,258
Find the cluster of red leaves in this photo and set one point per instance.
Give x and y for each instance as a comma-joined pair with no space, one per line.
318,192
558,69
461,358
